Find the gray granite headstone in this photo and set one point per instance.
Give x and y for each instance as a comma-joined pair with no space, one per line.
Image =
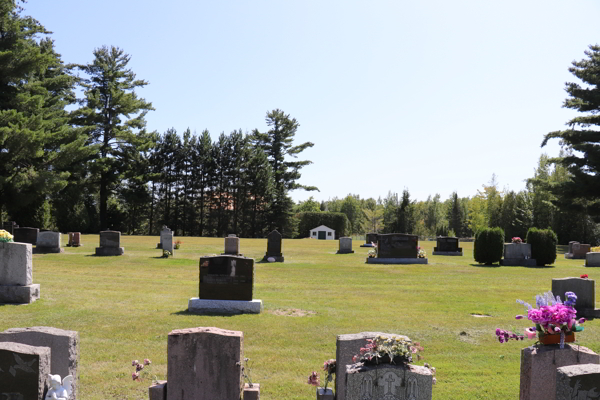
48,242
110,242
23,371
345,245
579,382
166,241
232,245
388,382
585,289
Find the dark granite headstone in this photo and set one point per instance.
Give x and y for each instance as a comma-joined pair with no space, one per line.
371,238
274,247
110,239
10,226
26,235
445,243
226,278
23,371
397,245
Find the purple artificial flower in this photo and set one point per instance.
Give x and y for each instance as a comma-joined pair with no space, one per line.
518,317
582,320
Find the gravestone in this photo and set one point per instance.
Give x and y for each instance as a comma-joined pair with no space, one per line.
74,239
16,274
23,371
387,381
48,242
274,247
226,286
592,259
10,226
518,254
164,230
64,348
110,242
232,245
370,238
26,235
347,346
578,382
158,390
577,250
345,245
539,364
585,289
397,248
205,364
447,246
166,241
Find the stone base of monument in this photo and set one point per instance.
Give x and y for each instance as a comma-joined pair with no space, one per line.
110,251
373,260
47,250
518,262
19,294
325,394
227,307
367,245
252,393
344,252
447,253
274,258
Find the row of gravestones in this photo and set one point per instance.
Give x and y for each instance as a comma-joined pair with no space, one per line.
583,251
45,241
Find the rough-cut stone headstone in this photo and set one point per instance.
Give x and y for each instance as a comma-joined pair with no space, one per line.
48,242
518,254
74,239
23,371
16,274
592,260
110,242
578,382
585,289
345,245
274,247
158,391
397,245
64,347
447,246
232,246
386,381
347,346
205,364
26,235
226,278
10,226
538,368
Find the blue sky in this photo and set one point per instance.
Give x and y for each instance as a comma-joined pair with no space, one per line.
432,96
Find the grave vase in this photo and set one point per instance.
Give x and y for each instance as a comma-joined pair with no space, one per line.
555,339
325,394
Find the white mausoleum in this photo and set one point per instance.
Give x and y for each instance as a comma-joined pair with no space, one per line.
322,232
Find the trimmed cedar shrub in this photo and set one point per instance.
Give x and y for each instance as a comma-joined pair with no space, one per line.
489,245
543,245
310,220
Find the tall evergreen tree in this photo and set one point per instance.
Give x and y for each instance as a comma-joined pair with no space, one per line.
114,117
456,217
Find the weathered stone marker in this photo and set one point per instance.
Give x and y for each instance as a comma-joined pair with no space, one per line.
585,289
16,274
23,371
397,248
578,382
345,245
447,246
539,364
48,242
110,242
205,364
274,247
232,246
64,348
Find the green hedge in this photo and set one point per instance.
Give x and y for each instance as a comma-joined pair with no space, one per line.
336,221
489,245
543,245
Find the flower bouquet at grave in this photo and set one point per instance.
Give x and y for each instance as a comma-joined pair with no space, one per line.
373,251
421,253
517,240
555,321
595,249
177,244
384,350
5,236
329,367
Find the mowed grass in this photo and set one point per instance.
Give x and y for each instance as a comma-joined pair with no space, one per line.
124,307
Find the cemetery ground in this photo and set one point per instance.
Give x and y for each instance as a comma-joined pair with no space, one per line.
124,307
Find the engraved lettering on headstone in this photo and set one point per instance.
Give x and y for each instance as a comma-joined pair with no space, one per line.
412,388
366,388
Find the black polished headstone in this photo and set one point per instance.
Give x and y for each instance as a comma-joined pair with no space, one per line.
447,243
226,278
397,245
26,235
371,238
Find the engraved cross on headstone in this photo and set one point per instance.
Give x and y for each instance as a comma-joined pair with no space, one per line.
390,383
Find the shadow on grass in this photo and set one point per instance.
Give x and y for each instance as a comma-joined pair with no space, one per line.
213,314
511,266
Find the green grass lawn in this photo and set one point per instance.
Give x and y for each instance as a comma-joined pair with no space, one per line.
124,307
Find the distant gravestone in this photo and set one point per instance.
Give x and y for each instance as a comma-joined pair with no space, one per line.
64,348
397,248
370,240
518,254
74,239
578,382
26,235
10,226
585,289
447,246
345,246
163,231
577,250
48,242
226,286
539,364
592,259
205,363
23,371
232,245
274,247
387,381
16,274
110,242
166,241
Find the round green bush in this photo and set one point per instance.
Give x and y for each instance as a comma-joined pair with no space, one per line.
543,245
489,245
